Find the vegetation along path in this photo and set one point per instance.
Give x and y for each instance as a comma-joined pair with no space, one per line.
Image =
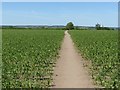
69,71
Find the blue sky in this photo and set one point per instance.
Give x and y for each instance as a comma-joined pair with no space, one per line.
51,13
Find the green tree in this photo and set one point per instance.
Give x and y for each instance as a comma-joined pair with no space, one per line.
69,26
98,26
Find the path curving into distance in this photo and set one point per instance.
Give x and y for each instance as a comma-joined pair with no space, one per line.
69,71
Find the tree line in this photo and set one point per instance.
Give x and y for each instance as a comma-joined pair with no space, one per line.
71,26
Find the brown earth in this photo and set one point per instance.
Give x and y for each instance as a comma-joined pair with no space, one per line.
69,71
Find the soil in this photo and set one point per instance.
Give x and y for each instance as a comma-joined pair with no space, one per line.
69,71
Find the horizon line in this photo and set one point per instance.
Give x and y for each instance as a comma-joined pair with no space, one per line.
52,25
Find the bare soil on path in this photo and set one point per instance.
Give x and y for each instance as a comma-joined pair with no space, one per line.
69,71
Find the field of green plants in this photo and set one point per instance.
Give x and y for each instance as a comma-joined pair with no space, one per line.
101,47
0,58
29,56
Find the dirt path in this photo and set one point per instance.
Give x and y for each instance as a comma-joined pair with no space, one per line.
69,71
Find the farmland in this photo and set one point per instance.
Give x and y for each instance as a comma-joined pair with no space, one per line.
29,56
0,58
101,48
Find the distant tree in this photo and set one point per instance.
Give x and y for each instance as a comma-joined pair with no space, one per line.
98,26
76,28
101,27
42,27
10,27
69,26
105,28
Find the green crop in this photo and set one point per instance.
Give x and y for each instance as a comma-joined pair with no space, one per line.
101,47
29,56
0,58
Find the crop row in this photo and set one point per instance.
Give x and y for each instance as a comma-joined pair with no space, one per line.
28,57
101,47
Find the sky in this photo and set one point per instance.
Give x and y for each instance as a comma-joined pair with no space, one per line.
60,13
